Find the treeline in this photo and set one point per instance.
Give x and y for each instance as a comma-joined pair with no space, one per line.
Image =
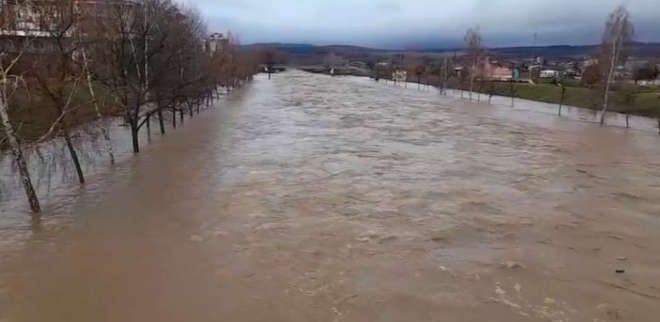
604,85
83,61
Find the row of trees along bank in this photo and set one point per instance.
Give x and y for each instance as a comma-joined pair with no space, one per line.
599,82
83,61
602,87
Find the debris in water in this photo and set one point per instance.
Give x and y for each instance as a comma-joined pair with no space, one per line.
363,239
609,312
439,239
620,271
622,258
196,238
512,265
499,290
388,239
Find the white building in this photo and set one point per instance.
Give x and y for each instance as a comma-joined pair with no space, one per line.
549,73
216,42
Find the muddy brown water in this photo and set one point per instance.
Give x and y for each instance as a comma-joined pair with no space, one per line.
311,198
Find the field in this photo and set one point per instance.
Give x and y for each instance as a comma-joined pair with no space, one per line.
637,101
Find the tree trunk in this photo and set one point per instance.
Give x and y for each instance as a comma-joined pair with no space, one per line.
610,75
561,101
149,126
161,122
181,116
474,68
481,85
173,117
134,136
99,116
190,110
512,94
26,180
74,155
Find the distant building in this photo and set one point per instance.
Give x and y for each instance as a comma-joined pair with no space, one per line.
216,42
21,20
358,64
496,71
400,76
589,62
549,73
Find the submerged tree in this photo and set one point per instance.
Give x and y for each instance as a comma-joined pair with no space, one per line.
9,82
146,57
150,56
617,41
56,75
474,51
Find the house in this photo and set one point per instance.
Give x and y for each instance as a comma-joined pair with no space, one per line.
589,62
496,71
549,73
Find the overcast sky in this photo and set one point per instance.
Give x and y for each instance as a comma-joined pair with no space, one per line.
422,23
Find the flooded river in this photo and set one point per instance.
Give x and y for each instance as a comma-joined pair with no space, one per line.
311,198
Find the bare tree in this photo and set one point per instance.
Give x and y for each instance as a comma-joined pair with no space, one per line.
617,40
473,51
95,104
444,74
8,85
414,64
56,75
124,45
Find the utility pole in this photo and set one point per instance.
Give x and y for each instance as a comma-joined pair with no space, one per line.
445,75
536,36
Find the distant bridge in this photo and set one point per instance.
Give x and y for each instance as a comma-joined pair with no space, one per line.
273,69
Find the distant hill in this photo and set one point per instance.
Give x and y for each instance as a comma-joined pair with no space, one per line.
639,49
306,49
301,51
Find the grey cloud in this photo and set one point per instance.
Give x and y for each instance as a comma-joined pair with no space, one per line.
399,23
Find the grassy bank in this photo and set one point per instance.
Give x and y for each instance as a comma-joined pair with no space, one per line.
32,113
637,100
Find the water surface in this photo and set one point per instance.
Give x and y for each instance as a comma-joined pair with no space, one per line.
312,198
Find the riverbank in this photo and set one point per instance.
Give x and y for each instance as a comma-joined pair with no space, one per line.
339,71
642,101
34,114
630,100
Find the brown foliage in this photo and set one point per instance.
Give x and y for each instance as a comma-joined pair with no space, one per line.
592,76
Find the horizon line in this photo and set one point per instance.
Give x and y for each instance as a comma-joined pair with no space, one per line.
428,48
